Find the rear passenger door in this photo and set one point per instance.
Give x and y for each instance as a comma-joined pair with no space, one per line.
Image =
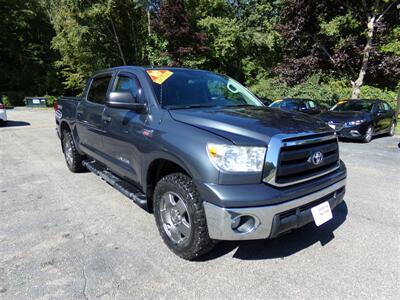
387,116
90,123
382,118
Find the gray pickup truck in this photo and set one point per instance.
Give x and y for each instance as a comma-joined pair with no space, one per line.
203,153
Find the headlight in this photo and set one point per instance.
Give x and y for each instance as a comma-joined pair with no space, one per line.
353,123
232,158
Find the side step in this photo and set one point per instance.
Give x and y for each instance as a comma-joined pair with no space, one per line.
129,190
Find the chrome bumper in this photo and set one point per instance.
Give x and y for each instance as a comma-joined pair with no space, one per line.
219,219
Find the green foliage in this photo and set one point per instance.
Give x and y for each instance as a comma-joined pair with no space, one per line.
393,44
157,51
6,100
280,48
25,57
326,91
370,92
92,36
339,25
50,100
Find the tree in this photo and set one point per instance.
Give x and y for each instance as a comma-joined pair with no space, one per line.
184,40
374,14
92,36
25,57
333,37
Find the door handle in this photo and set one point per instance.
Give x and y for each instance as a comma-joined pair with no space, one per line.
106,119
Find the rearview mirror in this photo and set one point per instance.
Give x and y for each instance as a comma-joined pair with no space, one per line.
125,100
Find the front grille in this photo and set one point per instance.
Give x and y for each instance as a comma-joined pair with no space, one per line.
295,164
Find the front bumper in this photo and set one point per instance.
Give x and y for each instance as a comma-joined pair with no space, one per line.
353,132
271,220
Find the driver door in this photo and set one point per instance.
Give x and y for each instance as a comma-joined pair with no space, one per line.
124,140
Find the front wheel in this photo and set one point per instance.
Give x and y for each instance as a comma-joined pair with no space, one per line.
368,134
180,216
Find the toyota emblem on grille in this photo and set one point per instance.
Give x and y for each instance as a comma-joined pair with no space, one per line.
316,158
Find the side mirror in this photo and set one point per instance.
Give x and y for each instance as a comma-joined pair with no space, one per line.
125,100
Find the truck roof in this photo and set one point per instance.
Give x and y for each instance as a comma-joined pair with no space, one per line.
144,68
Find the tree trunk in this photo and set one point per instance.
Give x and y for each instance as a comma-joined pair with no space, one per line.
148,22
121,53
364,65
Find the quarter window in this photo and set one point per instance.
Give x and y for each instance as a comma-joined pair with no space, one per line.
98,89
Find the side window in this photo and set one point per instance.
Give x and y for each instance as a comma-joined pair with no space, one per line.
302,105
386,106
381,107
291,105
126,84
98,89
311,104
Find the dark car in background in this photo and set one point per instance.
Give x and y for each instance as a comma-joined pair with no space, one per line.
307,106
361,119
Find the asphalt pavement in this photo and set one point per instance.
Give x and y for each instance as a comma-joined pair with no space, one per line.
65,235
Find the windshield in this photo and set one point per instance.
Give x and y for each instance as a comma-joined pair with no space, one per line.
277,103
189,88
353,106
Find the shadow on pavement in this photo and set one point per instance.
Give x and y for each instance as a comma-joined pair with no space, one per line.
16,124
284,245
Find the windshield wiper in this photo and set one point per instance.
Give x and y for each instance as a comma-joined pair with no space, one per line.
238,105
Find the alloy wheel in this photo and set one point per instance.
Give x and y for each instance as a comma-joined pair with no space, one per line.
68,152
392,129
175,217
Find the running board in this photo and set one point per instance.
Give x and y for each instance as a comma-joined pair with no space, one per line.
127,189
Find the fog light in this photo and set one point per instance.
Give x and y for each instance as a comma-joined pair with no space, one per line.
235,222
243,224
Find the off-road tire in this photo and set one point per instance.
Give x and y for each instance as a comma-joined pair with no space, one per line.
199,241
75,164
368,137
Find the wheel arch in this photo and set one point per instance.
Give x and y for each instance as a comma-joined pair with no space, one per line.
64,126
159,168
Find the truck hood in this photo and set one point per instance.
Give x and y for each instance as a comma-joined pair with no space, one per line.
249,125
342,116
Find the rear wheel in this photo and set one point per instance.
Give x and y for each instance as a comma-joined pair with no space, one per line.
368,134
71,154
180,216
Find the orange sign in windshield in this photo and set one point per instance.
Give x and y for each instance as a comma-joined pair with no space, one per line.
159,76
